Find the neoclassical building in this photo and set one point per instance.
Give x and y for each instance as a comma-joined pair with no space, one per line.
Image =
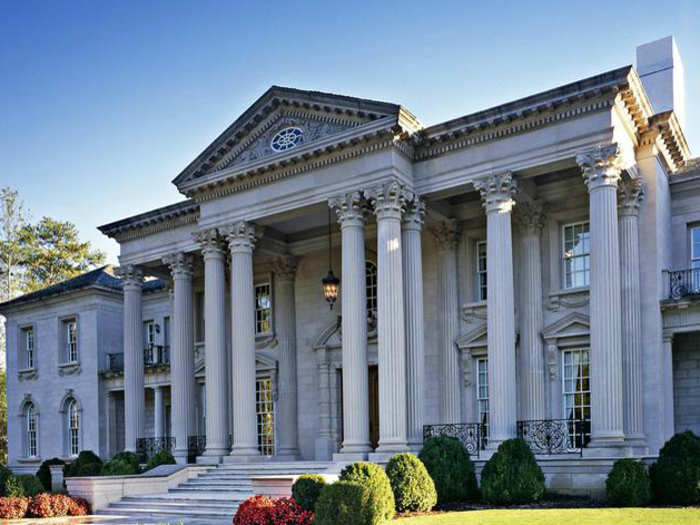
532,269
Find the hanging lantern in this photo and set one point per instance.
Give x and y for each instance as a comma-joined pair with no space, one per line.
330,283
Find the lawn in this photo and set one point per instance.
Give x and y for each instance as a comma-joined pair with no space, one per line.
641,516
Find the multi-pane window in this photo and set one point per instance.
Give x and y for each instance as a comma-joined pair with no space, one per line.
149,340
31,431
576,390
28,337
73,428
576,254
263,308
482,392
695,259
265,411
481,270
71,334
371,288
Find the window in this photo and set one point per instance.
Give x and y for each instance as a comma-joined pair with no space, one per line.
263,308
28,344
70,328
149,341
371,288
576,254
695,248
481,270
286,139
576,390
73,427
482,392
264,408
31,443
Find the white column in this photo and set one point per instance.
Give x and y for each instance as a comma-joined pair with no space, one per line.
413,301
448,315
181,353
134,397
389,201
601,174
216,360
158,413
497,192
241,238
630,196
531,373
350,210
284,269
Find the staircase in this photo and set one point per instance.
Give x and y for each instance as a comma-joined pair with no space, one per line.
211,498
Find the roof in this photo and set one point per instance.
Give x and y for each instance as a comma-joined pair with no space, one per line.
100,278
150,218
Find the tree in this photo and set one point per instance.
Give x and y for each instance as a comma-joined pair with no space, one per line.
13,221
3,419
55,253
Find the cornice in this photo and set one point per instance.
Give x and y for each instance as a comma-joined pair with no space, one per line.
153,221
672,137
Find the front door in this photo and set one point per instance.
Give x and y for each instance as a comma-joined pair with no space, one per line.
374,406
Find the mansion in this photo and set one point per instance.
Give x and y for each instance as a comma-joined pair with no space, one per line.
528,270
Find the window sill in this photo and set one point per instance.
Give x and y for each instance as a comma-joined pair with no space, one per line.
569,298
66,369
29,460
28,373
475,311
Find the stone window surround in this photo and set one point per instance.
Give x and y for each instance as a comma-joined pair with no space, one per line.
63,361
563,242
26,401
560,297
25,372
693,257
63,410
266,278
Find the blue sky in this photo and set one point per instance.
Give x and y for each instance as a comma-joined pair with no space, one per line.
103,103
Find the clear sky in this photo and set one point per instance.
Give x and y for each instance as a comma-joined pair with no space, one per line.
103,103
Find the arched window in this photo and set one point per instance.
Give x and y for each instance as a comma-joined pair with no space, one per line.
371,287
73,414
31,427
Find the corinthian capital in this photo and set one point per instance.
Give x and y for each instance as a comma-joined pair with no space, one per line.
600,166
530,216
497,192
389,199
350,208
414,215
210,242
630,194
285,267
241,236
180,264
445,233
130,274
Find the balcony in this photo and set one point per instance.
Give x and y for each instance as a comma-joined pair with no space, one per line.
153,357
473,436
684,284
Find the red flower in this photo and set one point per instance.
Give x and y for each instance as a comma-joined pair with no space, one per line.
261,510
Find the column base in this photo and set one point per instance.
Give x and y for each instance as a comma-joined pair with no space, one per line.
243,455
180,456
391,447
209,460
285,457
382,457
638,444
349,457
607,446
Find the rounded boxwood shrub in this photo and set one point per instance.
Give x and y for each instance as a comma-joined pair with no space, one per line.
628,484
132,458
675,477
44,472
347,503
512,475
4,474
373,477
306,490
413,488
14,487
86,464
162,457
450,468
118,467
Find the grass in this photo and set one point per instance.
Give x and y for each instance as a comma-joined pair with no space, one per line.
633,516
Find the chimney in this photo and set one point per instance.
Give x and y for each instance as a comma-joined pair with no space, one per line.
661,70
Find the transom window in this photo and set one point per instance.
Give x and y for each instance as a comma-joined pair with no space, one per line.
28,337
263,308
265,411
482,392
371,287
31,430
286,139
481,270
576,391
73,427
70,328
576,254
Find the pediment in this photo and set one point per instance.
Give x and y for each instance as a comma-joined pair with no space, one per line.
474,338
574,324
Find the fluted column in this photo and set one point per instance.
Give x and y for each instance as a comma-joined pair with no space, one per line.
284,269
601,174
350,210
158,413
389,202
182,353
497,192
413,301
242,238
216,360
134,398
445,234
630,196
531,384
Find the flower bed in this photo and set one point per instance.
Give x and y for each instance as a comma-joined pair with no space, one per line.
261,510
43,506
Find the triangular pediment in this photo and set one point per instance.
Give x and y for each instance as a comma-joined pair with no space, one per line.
574,324
475,338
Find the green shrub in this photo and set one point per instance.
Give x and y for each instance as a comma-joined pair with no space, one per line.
4,474
44,472
373,477
411,484
162,457
450,468
31,485
347,503
306,490
675,477
512,475
118,467
14,487
628,484
132,458
86,464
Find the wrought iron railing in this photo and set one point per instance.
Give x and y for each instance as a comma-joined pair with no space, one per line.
148,446
684,283
555,436
196,445
472,435
155,355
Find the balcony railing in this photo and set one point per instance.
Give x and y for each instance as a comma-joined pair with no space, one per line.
473,436
115,362
152,356
148,446
684,283
555,436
